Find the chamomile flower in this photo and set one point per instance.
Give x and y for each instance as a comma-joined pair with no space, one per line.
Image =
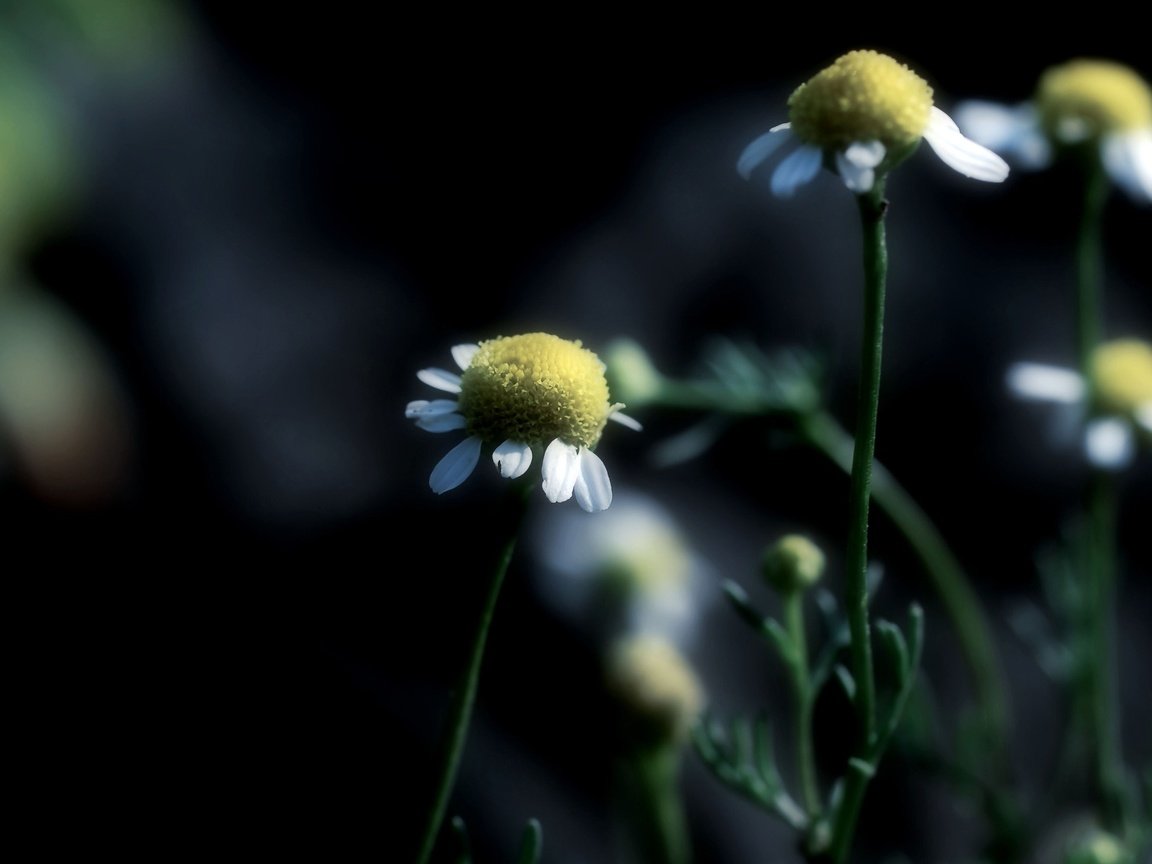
1112,410
651,676
527,395
1082,103
631,570
861,117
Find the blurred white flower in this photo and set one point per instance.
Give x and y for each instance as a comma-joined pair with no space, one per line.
629,570
1083,102
1107,414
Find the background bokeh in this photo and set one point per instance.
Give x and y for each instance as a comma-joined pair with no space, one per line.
233,234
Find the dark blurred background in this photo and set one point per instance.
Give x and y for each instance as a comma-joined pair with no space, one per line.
235,232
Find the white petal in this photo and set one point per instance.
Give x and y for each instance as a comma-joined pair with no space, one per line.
801,166
425,408
442,422
1109,443
438,415
856,164
1047,383
1011,130
593,488
760,149
960,153
463,354
512,459
1128,158
456,466
441,379
560,470
625,420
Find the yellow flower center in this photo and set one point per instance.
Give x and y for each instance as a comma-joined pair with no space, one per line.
1082,99
535,388
1122,375
863,96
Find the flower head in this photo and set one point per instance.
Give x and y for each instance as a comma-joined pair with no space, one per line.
1112,409
631,569
1082,103
862,116
793,563
653,679
526,394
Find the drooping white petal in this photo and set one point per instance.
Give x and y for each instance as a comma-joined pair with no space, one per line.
625,420
1013,131
456,466
1044,382
437,415
801,165
512,459
761,148
960,153
559,469
1128,159
1109,443
593,488
463,354
857,163
441,379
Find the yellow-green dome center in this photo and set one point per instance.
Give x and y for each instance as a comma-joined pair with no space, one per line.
863,96
1122,375
1082,99
535,388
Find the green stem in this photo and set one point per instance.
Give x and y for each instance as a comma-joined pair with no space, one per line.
872,208
1089,311
1101,670
802,695
1100,683
464,697
653,807
960,601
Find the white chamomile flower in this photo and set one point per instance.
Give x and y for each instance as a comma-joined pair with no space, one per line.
629,570
528,395
1111,411
862,116
1081,103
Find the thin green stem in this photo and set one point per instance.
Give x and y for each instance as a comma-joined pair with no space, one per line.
464,696
1101,505
948,579
802,697
1089,309
653,807
872,208
1102,697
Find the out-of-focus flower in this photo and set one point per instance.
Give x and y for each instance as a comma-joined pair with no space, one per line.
862,116
1081,103
629,570
652,678
533,393
1112,409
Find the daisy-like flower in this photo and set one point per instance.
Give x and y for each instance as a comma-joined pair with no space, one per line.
861,117
523,395
1113,409
631,569
1084,102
